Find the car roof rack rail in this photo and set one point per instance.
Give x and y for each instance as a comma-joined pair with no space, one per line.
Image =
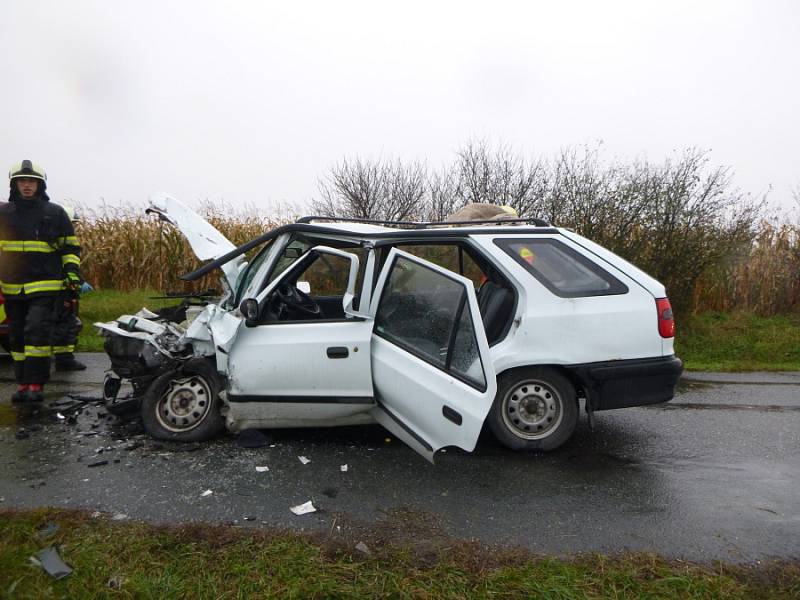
423,224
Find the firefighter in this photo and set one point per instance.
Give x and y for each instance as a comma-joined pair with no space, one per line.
67,322
39,259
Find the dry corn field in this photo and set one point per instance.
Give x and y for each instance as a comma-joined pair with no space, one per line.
126,250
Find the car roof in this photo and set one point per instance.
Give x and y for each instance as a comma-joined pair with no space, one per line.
380,231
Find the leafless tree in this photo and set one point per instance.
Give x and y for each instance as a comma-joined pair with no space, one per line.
373,190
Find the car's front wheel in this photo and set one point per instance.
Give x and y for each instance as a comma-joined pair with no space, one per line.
535,409
183,404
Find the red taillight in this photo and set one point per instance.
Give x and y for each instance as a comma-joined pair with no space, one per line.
666,324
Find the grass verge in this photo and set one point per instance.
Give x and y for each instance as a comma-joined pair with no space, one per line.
201,561
739,342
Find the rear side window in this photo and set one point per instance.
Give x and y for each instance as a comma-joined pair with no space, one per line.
562,270
427,314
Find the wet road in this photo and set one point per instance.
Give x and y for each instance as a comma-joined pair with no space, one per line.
713,475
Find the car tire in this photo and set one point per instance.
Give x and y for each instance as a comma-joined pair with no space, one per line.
183,404
535,409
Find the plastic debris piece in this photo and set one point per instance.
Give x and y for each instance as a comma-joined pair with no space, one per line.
48,530
363,548
343,468
251,438
60,416
206,493
304,460
262,469
96,514
249,518
115,582
52,563
302,509
97,463
119,517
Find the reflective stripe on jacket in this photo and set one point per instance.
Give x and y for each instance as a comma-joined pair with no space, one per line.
38,247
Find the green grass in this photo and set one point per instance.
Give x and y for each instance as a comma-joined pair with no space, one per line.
739,342
107,305
135,560
707,342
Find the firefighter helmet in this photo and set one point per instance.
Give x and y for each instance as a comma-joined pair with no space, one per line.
27,168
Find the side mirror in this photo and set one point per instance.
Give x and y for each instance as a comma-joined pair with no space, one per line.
249,308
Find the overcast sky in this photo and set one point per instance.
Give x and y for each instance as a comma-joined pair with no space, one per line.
251,102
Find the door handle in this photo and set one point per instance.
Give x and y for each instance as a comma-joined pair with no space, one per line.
338,352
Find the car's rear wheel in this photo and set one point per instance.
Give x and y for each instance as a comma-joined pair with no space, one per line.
183,404
535,409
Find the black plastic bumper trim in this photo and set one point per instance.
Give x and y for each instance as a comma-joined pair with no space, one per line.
627,383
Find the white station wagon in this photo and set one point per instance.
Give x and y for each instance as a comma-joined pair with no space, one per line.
433,331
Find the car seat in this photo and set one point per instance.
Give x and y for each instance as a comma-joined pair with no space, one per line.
495,303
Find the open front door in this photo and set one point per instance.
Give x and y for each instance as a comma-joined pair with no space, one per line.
433,378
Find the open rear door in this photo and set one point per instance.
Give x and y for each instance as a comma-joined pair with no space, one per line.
433,378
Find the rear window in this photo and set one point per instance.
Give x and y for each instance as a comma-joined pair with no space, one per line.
562,270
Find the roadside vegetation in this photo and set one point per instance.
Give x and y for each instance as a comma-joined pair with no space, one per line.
136,560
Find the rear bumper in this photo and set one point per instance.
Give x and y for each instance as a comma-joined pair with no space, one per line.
625,383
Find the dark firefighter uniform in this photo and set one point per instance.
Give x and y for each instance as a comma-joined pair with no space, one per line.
67,324
39,258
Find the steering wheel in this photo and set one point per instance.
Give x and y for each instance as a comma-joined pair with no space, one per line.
295,303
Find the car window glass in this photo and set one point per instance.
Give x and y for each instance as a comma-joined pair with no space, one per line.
246,276
422,311
449,256
561,269
327,275
294,250
465,359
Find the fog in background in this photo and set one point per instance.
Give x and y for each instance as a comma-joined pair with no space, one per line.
252,102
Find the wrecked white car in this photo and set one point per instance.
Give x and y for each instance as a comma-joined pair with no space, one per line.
430,331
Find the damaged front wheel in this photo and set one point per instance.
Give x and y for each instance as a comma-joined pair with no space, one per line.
183,404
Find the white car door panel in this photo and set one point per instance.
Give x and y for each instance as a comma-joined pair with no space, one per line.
312,360
433,377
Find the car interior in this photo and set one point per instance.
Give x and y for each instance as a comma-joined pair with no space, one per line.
325,276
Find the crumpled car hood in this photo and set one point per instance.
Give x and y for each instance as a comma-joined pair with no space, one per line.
206,241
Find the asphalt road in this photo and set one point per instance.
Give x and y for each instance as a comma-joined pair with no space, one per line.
715,474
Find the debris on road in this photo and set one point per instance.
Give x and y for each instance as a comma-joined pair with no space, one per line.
304,460
343,468
262,469
119,517
97,463
206,493
52,563
302,509
48,530
251,438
